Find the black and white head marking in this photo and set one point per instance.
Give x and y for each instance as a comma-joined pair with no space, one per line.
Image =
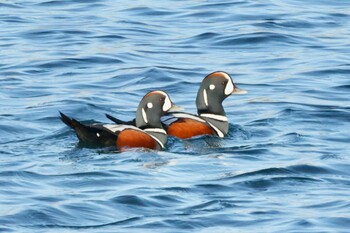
152,106
205,97
229,85
215,88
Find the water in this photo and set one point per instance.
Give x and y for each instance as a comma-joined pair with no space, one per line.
283,167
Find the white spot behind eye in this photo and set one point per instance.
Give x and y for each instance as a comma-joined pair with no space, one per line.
149,105
167,103
211,86
229,87
97,134
144,116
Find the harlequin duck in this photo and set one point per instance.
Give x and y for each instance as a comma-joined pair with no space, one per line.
211,118
148,131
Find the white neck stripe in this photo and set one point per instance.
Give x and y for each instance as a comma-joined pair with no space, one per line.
157,140
220,134
205,97
214,116
184,115
144,116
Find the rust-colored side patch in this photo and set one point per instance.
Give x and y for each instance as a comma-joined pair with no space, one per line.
133,138
187,128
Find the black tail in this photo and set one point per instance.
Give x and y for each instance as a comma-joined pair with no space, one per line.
118,121
70,121
90,135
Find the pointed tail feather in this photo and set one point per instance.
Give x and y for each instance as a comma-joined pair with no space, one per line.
90,135
118,121
72,123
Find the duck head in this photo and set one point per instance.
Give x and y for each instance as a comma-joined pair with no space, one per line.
151,108
215,88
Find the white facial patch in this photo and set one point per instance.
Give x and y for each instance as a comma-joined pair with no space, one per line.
149,105
98,135
144,116
205,97
167,103
229,87
211,86
117,128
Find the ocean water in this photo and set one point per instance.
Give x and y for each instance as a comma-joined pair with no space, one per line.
284,167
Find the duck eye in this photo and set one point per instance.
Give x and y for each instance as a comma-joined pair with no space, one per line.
149,105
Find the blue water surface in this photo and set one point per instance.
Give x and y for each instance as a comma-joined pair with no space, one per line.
284,167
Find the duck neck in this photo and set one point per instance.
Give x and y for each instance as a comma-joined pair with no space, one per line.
144,122
212,111
218,122
159,134
207,104
152,126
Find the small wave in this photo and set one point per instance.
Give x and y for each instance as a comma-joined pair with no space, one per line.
147,11
69,62
15,19
108,37
264,172
326,72
209,206
206,36
267,183
216,5
343,87
9,5
131,200
289,24
64,3
41,34
211,188
302,170
257,38
285,154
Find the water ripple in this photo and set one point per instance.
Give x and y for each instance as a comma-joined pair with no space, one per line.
283,165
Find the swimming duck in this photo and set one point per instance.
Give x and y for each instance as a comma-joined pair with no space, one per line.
148,131
211,118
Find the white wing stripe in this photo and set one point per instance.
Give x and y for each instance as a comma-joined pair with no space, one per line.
214,116
115,128
156,130
184,115
220,134
159,142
